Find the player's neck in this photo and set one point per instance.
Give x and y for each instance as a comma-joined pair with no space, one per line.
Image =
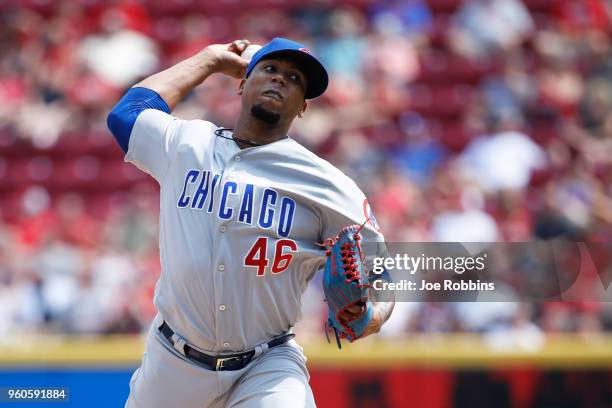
256,131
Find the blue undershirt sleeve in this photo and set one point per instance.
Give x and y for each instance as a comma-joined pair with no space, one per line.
121,119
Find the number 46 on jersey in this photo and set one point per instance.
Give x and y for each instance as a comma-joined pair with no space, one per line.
283,255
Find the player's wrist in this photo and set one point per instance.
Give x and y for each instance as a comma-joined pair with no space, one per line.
208,61
377,319
225,59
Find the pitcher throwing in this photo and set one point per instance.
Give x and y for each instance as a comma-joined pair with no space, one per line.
242,214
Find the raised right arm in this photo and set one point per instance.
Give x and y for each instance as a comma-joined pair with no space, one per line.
175,82
164,90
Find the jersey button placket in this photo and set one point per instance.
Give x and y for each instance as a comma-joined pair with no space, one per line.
222,263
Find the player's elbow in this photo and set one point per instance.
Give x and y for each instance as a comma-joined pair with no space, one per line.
122,118
120,125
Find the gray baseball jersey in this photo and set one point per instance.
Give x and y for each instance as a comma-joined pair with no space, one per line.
239,228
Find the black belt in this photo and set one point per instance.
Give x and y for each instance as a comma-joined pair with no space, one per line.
226,362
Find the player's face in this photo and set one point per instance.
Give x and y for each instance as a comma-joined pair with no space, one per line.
275,89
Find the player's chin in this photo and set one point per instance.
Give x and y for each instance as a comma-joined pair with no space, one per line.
266,113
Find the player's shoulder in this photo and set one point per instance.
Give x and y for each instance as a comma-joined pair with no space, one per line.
155,117
198,129
337,179
184,131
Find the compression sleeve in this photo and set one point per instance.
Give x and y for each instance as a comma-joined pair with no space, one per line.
121,119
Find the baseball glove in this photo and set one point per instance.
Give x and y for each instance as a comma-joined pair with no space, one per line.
346,284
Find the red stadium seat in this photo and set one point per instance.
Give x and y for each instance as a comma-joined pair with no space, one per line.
454,135
117,175
439,67
77,173
543,6
4,179
10,207
24,171
444,6
441,101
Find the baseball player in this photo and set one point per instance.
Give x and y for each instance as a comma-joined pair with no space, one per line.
243,212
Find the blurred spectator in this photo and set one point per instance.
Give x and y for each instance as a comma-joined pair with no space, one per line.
483,27
101,53
343,50
421,152
503,161
405,18
520,334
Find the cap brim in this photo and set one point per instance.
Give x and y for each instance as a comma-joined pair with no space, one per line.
316,75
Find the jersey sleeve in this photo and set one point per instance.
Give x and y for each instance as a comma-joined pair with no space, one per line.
153,142
349,206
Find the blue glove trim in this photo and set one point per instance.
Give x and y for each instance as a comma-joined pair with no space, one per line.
121,119
359,325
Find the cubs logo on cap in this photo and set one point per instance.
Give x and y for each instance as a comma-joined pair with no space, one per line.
316,75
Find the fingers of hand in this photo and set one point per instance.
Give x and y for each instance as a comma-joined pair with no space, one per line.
345,317
241,67
355,309
351,313
238,46
231,63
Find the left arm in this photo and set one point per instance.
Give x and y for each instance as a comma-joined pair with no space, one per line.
356,310
381,313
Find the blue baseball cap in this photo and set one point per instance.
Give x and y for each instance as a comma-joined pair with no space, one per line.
315,73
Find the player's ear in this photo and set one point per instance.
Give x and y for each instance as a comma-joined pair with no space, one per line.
241,86
301,111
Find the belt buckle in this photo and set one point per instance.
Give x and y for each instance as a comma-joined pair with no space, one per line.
221,362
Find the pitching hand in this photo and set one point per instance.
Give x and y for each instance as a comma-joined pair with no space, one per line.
227,58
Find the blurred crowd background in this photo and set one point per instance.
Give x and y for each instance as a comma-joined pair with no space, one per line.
475,120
